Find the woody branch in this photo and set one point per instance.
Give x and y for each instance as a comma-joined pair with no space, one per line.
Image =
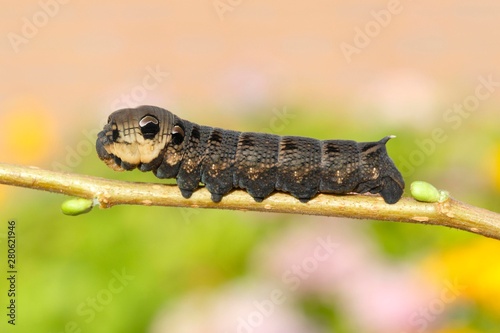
107,193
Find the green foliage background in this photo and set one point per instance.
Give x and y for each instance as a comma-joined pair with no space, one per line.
63,261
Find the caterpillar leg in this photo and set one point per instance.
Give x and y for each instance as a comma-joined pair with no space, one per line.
391,190
216,197
218,162
255,167
299,167
186,193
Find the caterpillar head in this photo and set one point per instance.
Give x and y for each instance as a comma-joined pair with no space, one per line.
136,138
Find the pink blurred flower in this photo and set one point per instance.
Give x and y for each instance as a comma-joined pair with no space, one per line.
242,307
377,295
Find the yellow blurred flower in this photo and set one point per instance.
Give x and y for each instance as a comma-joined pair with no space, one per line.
457,330
494,165
475,267
28,133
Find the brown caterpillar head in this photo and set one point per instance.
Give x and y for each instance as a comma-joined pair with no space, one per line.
135,138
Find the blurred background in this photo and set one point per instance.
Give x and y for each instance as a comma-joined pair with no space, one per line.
425,71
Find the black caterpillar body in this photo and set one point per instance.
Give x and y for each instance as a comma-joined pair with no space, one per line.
153,139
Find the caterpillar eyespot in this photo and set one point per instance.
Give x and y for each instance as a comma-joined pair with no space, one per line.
177,135
148,120
149,126
153,139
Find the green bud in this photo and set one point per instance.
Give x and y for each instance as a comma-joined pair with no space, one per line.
77,206
425,192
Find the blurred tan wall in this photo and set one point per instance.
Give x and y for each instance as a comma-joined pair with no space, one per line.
72,62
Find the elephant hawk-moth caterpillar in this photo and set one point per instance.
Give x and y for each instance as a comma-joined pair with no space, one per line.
153,139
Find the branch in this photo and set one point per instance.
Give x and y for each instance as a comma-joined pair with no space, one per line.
107,193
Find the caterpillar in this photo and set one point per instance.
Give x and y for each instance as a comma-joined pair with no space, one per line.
153,139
